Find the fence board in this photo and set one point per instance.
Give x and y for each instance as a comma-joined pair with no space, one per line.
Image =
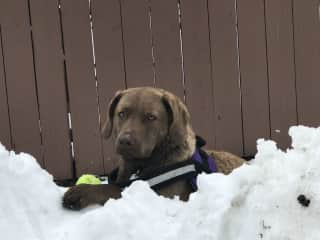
224,55
307,58
82,87
109,61
166,39
283,112
51,85
197,67
137,43
253,69
248,68
5,136
18,61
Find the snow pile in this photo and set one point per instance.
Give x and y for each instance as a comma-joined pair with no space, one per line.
29,197
256,201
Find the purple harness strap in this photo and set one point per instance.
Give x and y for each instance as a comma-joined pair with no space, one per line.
211,164
208,161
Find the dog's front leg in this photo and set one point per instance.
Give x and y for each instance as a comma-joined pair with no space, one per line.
83,195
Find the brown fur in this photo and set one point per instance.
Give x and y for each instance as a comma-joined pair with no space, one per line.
152,129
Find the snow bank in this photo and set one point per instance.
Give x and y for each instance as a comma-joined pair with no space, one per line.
256,201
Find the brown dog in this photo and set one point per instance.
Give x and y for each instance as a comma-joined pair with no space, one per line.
152,129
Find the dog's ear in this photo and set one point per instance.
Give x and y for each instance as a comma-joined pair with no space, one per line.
108,124
178,114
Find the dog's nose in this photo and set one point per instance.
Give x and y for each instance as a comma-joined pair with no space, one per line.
126,140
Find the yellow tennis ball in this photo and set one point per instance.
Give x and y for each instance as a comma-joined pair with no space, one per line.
88,179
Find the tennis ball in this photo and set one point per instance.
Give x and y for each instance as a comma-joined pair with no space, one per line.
88,179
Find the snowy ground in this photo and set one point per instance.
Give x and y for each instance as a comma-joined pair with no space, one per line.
257,201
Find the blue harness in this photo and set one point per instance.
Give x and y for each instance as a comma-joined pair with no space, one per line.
189,169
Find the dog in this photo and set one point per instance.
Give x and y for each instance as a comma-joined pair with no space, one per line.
152,129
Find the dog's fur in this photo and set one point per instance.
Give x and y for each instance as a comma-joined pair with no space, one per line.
152,129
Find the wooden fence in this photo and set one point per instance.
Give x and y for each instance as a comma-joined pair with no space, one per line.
246,69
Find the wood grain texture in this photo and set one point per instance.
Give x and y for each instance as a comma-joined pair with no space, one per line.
137,43
226,76
82,87
20,78
48,58
107,33
197,67
5,135
307,58
283,109
254,72
166,39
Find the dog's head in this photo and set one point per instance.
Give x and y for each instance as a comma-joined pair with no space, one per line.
142,118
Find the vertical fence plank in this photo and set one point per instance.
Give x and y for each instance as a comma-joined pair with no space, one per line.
18,62
253,69
109,61
283,112
166,39
137,43
226,76
82,87
307,58
5,136
51,85
197,67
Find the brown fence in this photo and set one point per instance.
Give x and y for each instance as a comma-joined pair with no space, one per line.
246,68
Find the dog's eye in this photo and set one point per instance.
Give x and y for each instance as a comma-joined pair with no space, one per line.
151,117
121,115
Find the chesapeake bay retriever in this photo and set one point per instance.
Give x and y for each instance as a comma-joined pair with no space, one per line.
152,129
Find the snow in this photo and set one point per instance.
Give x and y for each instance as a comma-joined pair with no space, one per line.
256,201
